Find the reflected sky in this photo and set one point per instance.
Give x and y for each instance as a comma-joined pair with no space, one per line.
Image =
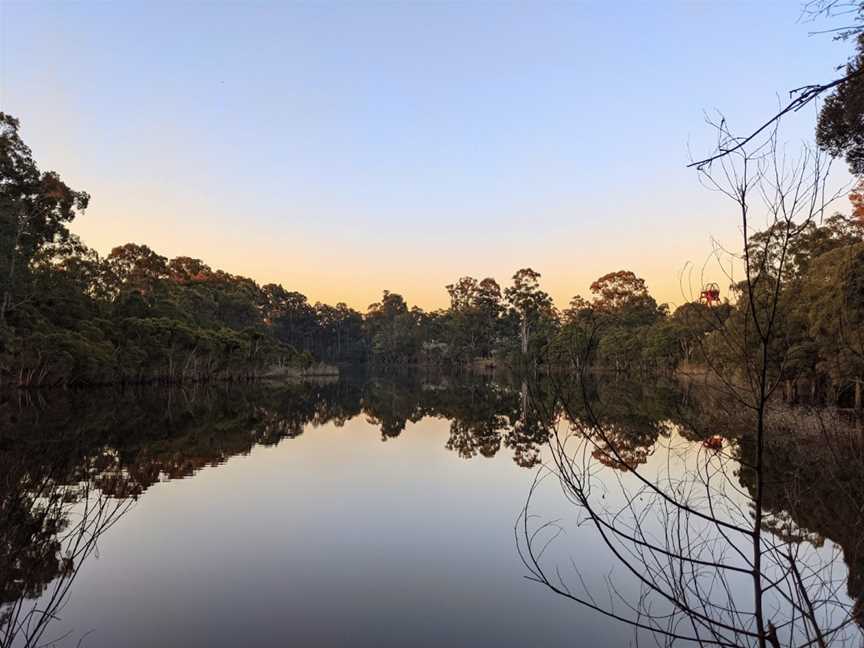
296,516
332,538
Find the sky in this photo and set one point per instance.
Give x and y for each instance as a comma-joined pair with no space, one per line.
343,148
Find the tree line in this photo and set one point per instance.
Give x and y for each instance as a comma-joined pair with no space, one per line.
71,316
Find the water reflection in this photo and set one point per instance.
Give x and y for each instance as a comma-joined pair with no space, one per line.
815,489
687,530
53,513
73,463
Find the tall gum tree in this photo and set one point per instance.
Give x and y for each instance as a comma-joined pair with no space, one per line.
35,208
528,302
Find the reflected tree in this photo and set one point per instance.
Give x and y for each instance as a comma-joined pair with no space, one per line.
702,557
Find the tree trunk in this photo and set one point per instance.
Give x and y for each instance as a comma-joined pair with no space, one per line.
3,306
524,335
524,401
13,257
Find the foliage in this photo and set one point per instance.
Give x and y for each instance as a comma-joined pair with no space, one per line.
69,316
840,129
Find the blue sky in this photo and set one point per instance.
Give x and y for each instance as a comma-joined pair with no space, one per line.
344,148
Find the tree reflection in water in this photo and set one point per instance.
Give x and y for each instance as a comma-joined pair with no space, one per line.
51,522
73,464
679,529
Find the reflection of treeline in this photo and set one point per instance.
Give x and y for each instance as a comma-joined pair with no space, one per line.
118,444
487,415
107,448
815,486
121,443
126,441
813,461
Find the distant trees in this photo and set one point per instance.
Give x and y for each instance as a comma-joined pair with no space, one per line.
577,338
833,306
627,311
819,309
531,306
290,315
692,322
339,333
393,330
136,315
69,316
74,317
619,290
685,541
474,320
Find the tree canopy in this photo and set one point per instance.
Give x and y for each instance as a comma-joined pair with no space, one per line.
71,316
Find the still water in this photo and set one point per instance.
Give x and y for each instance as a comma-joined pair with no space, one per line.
362,512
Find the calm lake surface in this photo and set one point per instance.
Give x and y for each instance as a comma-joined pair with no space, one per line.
362,512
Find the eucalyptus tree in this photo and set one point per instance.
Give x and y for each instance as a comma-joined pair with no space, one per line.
473,319
833,302
393,330
35,209
529,304
840,129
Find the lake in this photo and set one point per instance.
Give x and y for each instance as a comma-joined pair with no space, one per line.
366,511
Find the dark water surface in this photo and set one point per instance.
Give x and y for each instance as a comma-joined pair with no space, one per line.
368,512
